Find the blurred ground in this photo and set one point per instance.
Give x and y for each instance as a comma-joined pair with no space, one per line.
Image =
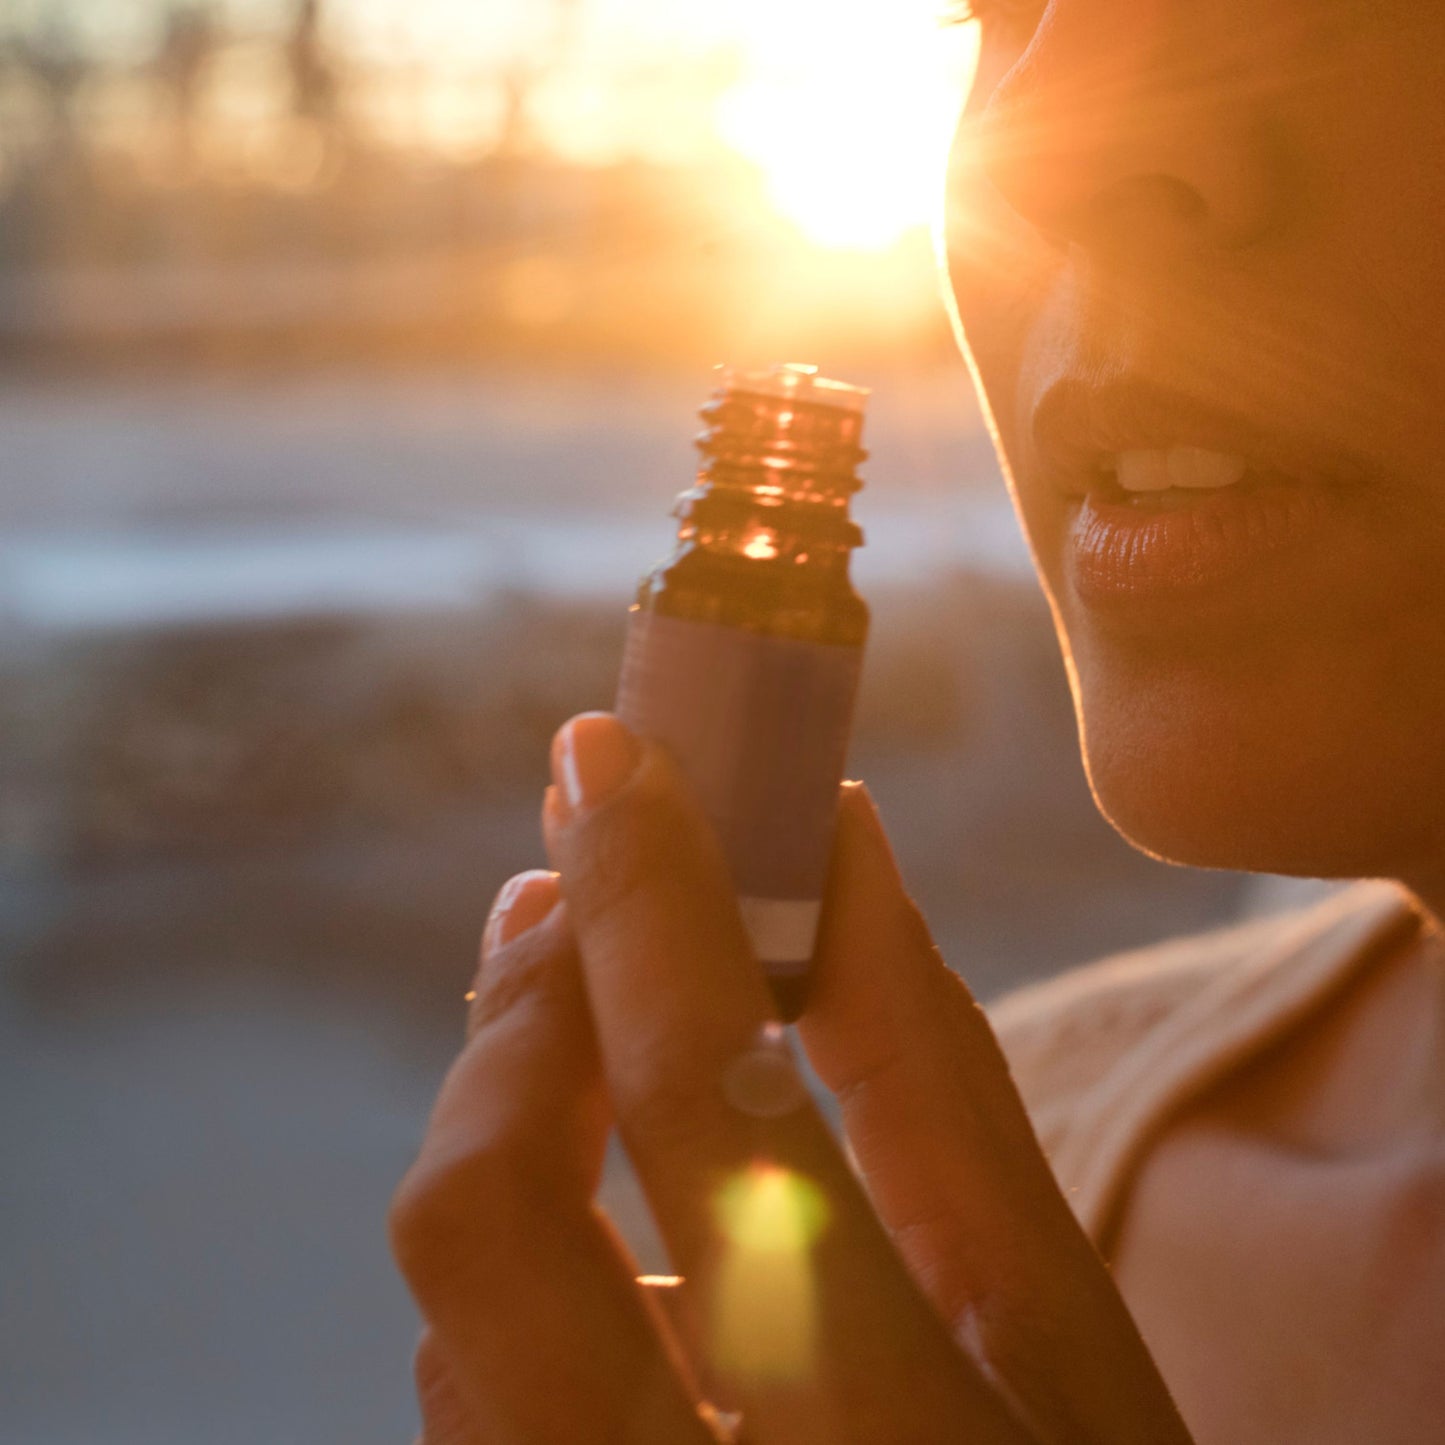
281,655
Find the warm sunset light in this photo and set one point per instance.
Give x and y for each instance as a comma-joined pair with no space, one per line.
844,106
848,111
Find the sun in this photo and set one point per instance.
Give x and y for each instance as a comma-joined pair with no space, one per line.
847,107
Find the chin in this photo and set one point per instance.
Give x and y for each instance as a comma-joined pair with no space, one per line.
1210,776
1197,821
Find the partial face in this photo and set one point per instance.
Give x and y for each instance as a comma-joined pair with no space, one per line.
1198,252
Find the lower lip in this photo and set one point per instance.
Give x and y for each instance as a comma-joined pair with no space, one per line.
1122,554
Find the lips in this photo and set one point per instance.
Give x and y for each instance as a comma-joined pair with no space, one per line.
1168,501
1122,553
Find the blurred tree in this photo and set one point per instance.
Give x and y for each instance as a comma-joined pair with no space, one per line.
318,89
314,82
525,73
189,42
52,58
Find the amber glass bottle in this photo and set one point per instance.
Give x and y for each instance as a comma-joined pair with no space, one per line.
745,645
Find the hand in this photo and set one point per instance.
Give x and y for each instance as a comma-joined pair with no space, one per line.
955,1300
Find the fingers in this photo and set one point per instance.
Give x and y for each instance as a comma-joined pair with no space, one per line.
446,1418
758,1208
952,1162
523,902
537,1331
668,1297
925,1092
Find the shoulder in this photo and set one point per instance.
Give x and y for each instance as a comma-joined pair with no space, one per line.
1103,1053
1064,1036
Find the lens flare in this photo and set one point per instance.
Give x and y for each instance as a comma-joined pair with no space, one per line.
848,110
765,1321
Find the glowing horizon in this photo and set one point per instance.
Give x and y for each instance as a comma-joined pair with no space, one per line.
849,122
845,108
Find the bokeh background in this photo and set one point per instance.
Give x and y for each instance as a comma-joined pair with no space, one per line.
349,356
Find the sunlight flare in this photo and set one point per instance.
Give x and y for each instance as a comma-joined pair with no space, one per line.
848,111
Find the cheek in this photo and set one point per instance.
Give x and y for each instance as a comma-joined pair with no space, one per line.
1308,740
998,275
1011,297
1000,285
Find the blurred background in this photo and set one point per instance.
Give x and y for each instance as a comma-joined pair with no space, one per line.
349,357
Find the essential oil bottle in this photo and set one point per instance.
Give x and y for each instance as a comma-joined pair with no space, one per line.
745,645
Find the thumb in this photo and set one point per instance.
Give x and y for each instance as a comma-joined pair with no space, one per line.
952,1164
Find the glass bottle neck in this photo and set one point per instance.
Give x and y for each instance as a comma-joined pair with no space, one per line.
740,523
779,465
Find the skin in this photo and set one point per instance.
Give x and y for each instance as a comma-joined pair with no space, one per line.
1241,204
955,1299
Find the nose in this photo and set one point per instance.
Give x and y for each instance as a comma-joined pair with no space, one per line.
1134,128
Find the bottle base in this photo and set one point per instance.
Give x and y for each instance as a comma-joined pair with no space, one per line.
790,994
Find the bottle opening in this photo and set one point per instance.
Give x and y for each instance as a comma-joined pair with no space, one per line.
797,382
785,435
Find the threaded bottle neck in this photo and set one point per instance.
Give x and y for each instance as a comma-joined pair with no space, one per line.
780,449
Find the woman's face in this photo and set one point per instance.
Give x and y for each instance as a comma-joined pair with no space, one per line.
1198,253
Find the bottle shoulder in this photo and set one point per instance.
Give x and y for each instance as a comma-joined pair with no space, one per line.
776,597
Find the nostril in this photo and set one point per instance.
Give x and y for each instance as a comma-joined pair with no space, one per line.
1140,132
1171,197
1140,213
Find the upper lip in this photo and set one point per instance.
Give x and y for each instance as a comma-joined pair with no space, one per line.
1077,426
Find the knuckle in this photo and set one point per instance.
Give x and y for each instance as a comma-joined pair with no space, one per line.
620,854
431,1375
913,928
620,857
541,965
433,1217
463,1213
865,1072
446,1419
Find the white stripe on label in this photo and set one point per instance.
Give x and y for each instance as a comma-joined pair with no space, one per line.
783,930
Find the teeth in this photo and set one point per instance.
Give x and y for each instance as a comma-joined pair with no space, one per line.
1196,467
1192,468
1143,471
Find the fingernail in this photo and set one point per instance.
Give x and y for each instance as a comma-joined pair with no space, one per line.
593,756
522,904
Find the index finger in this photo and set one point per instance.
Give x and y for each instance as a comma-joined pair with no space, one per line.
763,1213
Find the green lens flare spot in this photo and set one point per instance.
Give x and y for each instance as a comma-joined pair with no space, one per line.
765,1299
771,1210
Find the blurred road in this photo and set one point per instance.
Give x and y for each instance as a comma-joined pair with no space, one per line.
415,445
